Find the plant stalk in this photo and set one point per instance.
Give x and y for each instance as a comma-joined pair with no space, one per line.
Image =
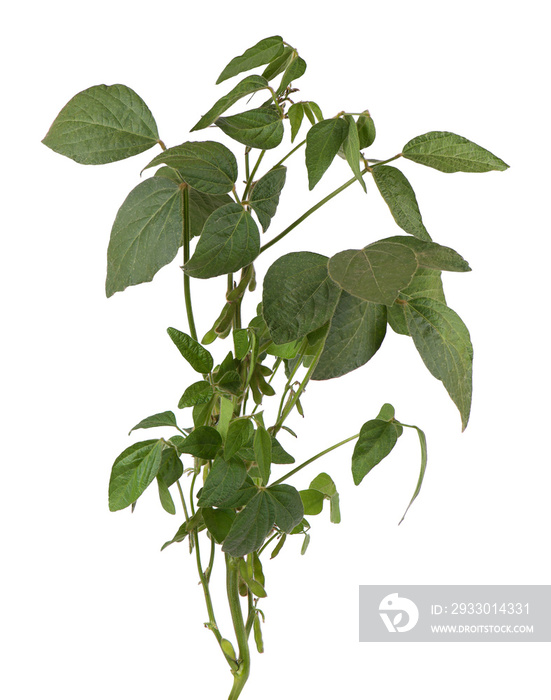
244,661
330,196
313,459
186,248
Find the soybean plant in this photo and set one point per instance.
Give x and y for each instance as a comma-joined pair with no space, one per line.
318,317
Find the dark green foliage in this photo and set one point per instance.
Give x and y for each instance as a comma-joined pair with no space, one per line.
320,317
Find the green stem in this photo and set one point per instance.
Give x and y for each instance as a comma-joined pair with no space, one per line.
211,558
251,176
192,487
313,459
381,162
275,368
269,244
187,236
268,542
182,499
236,196
212,620
330,196
299,391
247,166
244,661
300,355
290,153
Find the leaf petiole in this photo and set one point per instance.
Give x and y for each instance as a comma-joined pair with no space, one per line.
313,459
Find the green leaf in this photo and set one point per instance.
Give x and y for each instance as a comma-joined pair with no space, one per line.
286,351
180,536
218,522
247,491
197,356
197,393
423,444
301,528
305,544
202,412
312,501
201,204
251,526
381,270
279,455
225,417
451,153
230,382
194,523
376,273
298,297
203,442
309,112
165,497
279,64
324,484
157,420
287,505
230,241
377,438
227,365
296,115
425,283
444,344
386,412
171,466
366,130
257,128
169,174
249,85
262,446
224,480
433,255
351,148
294,71
322,144
240,433
207,166
314,108
133,471
260,54
146,234
265,195
356,332
400,198
103,124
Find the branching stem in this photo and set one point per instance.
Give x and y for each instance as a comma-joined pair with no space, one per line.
313,459
244,660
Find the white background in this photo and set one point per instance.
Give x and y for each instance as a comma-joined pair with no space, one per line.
90,607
